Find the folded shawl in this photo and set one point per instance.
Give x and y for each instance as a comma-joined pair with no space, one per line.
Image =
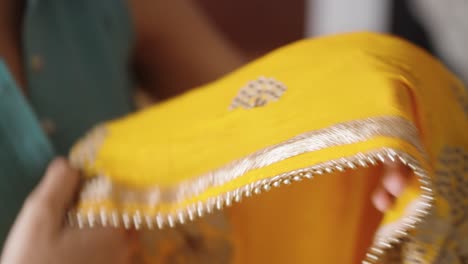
276,162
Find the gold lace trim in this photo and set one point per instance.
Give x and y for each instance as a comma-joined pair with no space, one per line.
101,187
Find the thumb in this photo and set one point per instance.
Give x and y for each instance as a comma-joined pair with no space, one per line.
57,189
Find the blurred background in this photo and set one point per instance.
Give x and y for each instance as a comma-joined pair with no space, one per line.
258,26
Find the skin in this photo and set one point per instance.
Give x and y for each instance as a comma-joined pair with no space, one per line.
161,56
39,235
394,181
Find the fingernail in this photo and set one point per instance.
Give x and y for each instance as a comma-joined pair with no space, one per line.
394,184
380,203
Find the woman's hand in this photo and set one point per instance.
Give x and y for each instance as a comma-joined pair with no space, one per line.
394,181
40,237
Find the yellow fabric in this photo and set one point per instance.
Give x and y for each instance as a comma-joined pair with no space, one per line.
329,219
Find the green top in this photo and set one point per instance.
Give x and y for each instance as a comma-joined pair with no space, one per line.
76,57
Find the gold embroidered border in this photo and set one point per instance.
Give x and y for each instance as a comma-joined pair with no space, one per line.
339,134
384,240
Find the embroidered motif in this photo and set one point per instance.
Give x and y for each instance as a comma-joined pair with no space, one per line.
447,225
460,93
452,184
258,93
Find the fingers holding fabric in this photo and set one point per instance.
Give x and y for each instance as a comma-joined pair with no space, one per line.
394,181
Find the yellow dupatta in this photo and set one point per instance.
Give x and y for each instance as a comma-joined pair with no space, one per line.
209,171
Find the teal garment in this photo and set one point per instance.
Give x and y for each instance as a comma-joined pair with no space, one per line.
77,57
